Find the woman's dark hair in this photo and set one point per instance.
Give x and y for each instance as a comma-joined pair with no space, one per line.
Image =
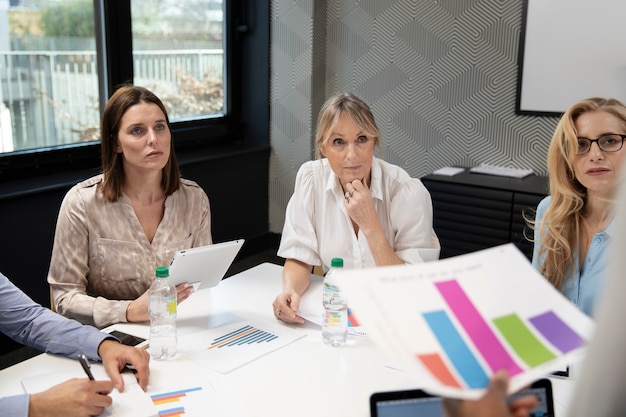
112,161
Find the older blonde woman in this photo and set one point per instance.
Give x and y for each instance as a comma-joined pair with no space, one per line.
573,225
351,205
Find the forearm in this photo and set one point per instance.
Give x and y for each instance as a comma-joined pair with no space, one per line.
381,249
296,276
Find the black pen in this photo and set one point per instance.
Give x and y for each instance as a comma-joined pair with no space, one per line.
84,362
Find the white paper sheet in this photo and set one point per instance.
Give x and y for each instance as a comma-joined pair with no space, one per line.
132,402
455,322
228,347
195,398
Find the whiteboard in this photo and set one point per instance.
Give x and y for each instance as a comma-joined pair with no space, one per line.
571,50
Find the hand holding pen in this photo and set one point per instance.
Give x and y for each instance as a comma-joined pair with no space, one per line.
76,397
84,362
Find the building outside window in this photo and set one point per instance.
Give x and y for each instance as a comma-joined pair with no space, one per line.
50,88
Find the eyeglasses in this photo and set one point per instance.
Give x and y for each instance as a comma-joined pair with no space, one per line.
607,143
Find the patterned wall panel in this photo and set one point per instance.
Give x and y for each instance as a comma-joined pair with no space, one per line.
291,73
440,76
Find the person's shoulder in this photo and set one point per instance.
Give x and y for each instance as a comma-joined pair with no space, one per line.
86,187
89,182
395,176
190,188
187,183
314,166
317,168
544,204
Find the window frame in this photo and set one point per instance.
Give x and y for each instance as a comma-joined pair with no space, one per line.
115,67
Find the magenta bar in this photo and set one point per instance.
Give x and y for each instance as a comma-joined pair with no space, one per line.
477,328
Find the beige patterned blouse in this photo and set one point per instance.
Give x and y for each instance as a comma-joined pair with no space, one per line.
102,259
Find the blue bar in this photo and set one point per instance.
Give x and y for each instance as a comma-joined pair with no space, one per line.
173,393
456,349
250,336
228,335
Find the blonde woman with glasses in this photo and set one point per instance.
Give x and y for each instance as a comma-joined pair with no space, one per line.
574,225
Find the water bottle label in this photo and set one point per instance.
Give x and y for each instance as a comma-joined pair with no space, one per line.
171,307
334,319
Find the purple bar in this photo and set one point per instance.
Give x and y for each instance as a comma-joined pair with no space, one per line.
477,328
557,332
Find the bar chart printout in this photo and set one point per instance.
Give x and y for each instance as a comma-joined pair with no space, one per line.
172,404
228,347
453,323
522,347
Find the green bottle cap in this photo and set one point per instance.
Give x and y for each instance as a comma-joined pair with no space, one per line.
336,263
162,272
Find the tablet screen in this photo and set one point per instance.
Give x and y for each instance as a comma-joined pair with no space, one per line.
413,403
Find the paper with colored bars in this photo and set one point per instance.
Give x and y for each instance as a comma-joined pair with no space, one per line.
454,323
230,346
312,309
194,398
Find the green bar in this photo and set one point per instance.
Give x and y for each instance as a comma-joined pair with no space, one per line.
522,340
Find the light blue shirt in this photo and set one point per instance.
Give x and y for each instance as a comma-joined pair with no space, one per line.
582,287
31,324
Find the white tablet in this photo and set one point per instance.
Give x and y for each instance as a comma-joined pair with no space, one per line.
204,266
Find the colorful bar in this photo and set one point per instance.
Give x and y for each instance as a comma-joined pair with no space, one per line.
557,332
253,337
233,333
249,337
477,328
172,412
352,320
438,368
522,340
221,341
456,349
172,396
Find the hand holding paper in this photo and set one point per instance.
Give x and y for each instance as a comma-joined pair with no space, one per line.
456,322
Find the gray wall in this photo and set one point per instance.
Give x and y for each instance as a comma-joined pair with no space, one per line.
440,76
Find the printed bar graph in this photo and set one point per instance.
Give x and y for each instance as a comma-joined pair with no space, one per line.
173,396
167,398
484,339
245,335
557,332
456,349
530,349
172,412
438,368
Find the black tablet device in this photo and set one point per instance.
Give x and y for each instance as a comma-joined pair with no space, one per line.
411,403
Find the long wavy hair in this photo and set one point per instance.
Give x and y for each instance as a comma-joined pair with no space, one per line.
112,161
560,227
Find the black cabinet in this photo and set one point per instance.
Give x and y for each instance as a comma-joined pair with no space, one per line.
477,211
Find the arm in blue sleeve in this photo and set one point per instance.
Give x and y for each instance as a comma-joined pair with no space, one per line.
14,406
33,325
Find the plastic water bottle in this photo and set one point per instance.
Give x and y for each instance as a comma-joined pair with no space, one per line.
162,310
335,320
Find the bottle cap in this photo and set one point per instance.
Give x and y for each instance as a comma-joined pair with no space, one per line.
162,272
336,263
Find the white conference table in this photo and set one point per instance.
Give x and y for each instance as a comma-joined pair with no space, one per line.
304,378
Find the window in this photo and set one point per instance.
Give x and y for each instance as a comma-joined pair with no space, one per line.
62,59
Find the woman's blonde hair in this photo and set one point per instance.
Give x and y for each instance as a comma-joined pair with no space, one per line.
560,227
332,110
